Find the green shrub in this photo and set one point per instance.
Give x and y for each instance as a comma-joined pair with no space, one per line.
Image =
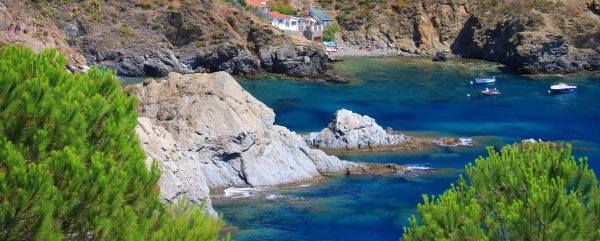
146,5
97,16
528,191
126,30
330,31
220,34
283,8
71,166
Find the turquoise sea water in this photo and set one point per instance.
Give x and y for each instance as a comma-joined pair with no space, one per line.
421,98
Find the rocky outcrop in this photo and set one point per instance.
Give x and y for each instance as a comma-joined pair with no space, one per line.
200,36
278,55
207,133
531,44
351,132
348,130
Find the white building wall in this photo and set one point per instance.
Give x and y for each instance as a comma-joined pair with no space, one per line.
292,24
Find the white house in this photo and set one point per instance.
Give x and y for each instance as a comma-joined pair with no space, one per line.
285,22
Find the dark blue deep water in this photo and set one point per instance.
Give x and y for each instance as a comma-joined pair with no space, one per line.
420,98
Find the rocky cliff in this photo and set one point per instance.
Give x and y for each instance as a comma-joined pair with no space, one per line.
207,133
153,38
560,36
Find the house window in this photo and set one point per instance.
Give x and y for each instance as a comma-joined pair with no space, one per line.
280,21
293,23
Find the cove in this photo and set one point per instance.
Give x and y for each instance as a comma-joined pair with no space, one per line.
418,97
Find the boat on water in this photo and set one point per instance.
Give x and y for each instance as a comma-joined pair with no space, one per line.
562,88
485,80
488,91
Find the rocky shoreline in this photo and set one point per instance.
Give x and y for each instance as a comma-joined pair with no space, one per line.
206,133
205,36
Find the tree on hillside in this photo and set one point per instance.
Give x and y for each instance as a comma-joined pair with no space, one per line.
71,166
330,31
528,191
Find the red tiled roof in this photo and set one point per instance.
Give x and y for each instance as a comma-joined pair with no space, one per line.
277,15
257,3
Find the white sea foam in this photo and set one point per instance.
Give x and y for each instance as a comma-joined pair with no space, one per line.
464,141
414,170
531,140
274,196
304,185
417,168
240,192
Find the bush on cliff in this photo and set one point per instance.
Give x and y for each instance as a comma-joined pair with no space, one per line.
71,166
525,192
330,31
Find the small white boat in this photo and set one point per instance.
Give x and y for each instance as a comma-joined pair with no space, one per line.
562,88
330,49
492,91
485,80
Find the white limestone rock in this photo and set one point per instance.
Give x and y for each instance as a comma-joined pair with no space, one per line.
207,133
348,130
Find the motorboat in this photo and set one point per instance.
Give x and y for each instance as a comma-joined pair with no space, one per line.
562,88
485,80
488,91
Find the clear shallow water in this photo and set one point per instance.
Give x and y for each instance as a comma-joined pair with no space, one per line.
422,98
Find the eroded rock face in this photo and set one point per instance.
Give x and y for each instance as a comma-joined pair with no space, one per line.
527,46
207,133
277,54
552,37
348,130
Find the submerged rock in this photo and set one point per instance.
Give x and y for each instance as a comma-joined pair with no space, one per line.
337,79
440,56
207,134
348,130
454,141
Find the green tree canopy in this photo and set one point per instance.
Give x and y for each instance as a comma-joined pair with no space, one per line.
71,166
330,31
528,191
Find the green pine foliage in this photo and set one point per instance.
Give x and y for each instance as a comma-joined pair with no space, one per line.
71,166
528,191
330,31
